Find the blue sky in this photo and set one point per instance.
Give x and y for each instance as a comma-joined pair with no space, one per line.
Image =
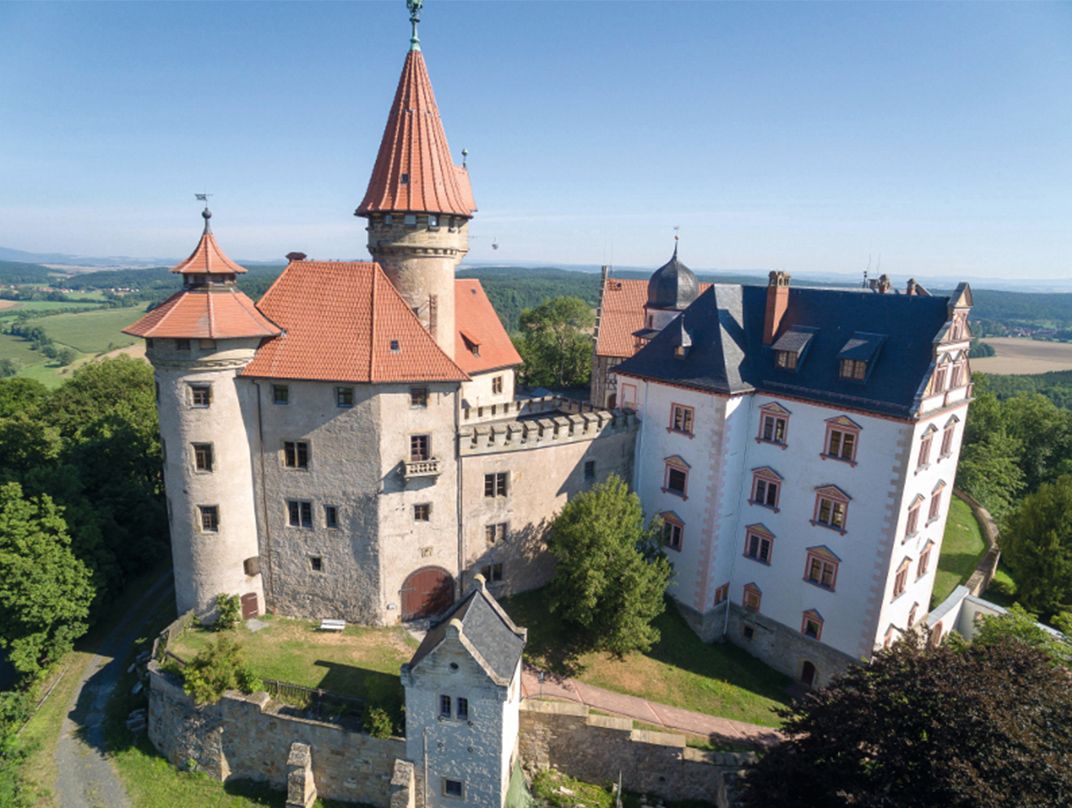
803,136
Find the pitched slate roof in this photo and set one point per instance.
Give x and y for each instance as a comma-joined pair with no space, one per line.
478,324
220,313
621,315
728,355
488,629
344,321
414,170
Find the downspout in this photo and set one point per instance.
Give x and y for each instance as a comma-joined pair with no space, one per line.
264,496
459,488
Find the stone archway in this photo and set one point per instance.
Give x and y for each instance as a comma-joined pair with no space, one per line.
426,592
808,673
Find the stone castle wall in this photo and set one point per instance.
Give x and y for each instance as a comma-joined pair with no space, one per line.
240,737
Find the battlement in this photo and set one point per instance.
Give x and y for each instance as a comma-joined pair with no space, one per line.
537,422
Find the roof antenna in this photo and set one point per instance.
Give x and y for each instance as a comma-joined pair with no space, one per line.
867,270
414,7
677,228
206,214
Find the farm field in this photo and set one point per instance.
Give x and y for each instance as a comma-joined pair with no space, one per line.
92,331
10,308
1023,357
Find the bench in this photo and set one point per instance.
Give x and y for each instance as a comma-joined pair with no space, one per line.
332,625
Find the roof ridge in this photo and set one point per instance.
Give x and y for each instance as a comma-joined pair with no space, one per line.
372,325
211,318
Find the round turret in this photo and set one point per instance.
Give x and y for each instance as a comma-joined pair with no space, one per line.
672,286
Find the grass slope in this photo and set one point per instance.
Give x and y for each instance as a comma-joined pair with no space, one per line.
92,331
681,670
962,547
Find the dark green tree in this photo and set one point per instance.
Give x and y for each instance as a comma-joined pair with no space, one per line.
556,343
8,368
217,668
990,471
982,727
45,591
609,580
1021,625
1037,545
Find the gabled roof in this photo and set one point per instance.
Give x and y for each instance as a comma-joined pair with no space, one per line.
728,354
207,257
478,325
221,313
414,170
484,629
621,315
344,321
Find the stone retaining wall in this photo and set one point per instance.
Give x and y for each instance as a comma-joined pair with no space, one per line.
241,737
596,748
979,580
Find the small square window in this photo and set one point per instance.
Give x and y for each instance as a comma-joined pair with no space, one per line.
495,533
433,221
388,218
280,394
409,219
453,788
396,347
200,395
203,456
404,180
495,485
493,573
463,709
422,512
418,396
316,563
210,518
344,397
331,516
182,345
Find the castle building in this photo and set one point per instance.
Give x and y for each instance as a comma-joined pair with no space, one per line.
351,446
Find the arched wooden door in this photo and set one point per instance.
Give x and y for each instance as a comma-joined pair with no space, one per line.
426,592
807,673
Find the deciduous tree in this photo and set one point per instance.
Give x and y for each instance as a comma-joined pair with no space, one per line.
1037,545
556,343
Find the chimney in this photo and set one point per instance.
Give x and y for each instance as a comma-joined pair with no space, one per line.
912,286
777,303
883,283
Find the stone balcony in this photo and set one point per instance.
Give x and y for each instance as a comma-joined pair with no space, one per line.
412,469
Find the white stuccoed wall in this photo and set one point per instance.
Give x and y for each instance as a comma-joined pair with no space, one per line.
478,391
206,564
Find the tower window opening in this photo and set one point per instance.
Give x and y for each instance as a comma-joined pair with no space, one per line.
344,397
316,563
410,220
463,708
299,513
422,512
405,179
203,456
182,345
296,454
280,394
331,516
418,397
210,518
200,395
388,218
433,221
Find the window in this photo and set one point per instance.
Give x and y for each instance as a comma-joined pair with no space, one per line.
752,598
344,397
924,560
420,448
206,344
331,516
758,544
681,419
388,218
203,456
463,709
589,471
854,369
445,705
495,484
316,563
936,503
773,424
210,518
629,396
409,219
673,531
924,458
900,581
831,507
422,512
453,788
300,513
912,525
497,385
786,359
912,615
493,573
280,394
418,397
841,439
939,379
812,624
182,345
296,454
722,593
404,179
200,395
888,637
433,221
947,438
748,633
958,375
395,346
676,477
766,485
495,533
821,567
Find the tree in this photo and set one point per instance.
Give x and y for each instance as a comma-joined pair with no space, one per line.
990,471
8,367
985,726
1037,545
218,668
1021,625
556,343
45,591
608,581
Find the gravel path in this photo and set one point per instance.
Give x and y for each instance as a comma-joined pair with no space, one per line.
85,777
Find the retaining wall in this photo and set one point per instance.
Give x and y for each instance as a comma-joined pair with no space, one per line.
979,580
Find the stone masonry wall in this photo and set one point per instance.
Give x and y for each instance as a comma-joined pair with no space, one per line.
596,748
240,737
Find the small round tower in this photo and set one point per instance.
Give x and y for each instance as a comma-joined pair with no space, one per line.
419,203
197,341
671,288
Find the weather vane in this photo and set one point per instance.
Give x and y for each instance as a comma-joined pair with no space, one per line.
414,7
206,214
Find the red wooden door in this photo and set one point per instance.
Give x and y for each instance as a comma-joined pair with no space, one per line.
249,605
426,592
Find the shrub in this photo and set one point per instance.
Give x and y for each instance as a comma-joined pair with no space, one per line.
378,722
228,611
218,668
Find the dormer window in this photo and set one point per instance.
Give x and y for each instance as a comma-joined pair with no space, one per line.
405,179
395,346
471,344
790,347
858,355
854,369
785,359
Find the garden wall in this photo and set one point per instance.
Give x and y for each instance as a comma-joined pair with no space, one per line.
597,748
984,572
241,737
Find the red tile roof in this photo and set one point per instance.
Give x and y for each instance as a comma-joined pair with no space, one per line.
207,258
622,313
414,170
344,321
221,313
479,325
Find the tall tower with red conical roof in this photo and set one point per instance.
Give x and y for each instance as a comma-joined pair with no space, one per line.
419,203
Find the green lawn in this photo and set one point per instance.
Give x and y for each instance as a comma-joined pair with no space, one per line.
359,661
12,347
962,547
718,679
1002,589
92,331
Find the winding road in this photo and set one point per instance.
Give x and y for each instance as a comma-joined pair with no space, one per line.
85,777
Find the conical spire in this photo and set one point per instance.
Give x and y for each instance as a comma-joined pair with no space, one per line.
414,171
207,258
